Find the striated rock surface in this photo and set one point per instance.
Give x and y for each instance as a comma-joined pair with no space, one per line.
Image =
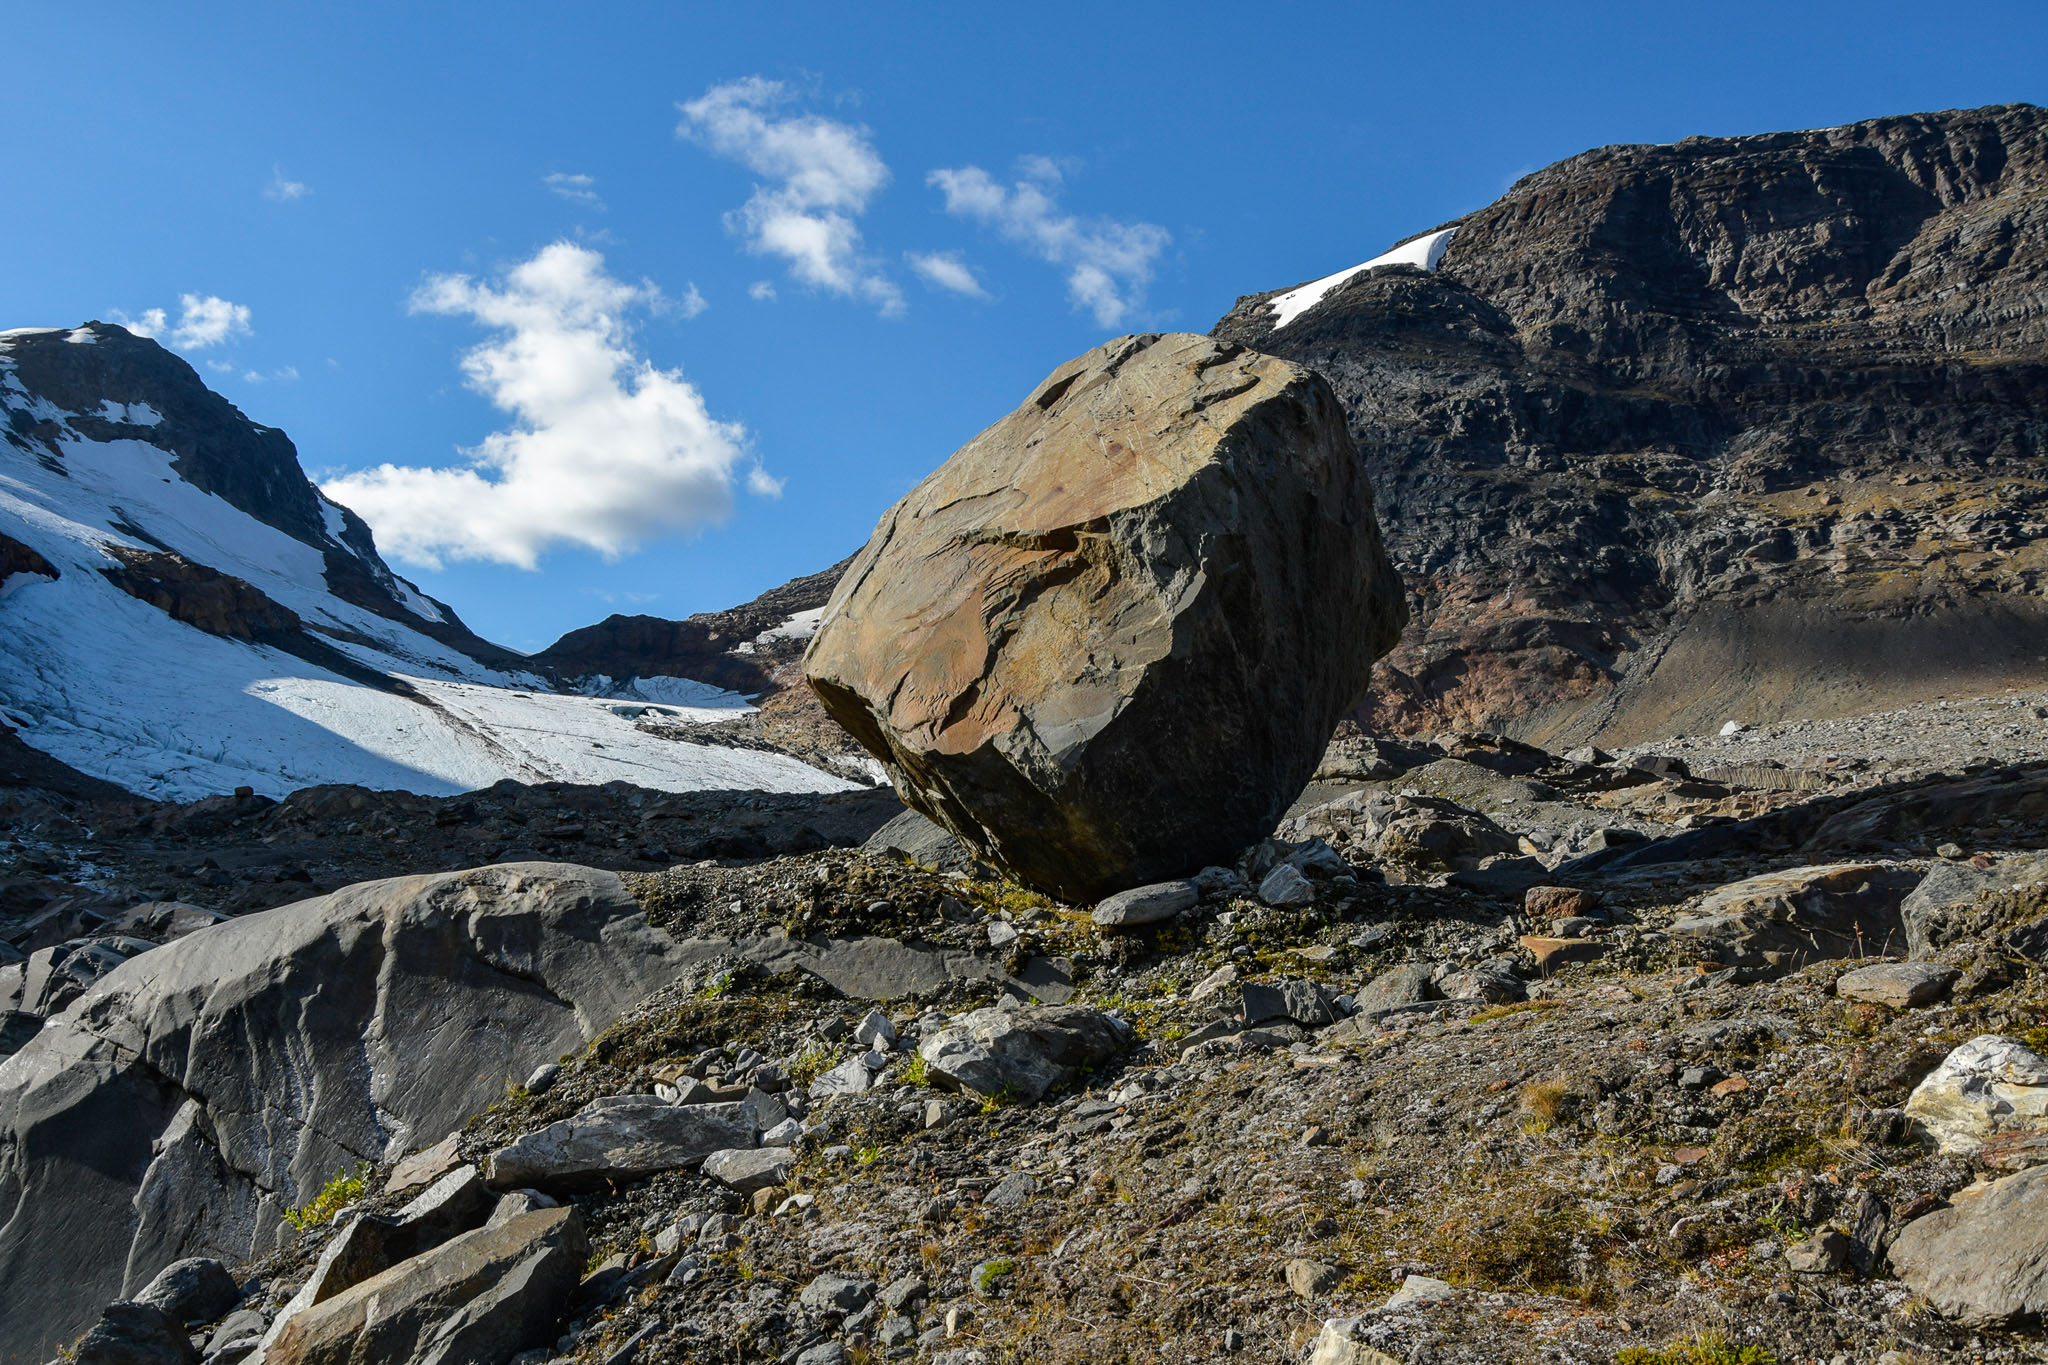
1106,642
483,1296
618,1138
202,1088
1768,410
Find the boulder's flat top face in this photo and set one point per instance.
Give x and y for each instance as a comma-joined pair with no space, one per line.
1115,624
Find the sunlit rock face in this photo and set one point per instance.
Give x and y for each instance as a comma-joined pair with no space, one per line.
1106,642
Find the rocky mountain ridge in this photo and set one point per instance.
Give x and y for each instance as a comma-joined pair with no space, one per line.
1766,410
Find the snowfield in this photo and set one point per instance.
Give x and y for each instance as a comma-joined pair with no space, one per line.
116,688
1425,252
800,626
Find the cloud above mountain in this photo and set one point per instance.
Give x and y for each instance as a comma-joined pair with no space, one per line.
204,320
1108,263
606,451
818,176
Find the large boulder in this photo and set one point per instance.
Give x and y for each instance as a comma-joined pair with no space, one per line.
1957,902
1106,642
1984,1259
1987,1086
200,1089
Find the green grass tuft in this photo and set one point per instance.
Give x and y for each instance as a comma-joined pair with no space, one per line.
1705,1348
346,1188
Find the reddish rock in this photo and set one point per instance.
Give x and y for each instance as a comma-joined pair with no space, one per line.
1552,953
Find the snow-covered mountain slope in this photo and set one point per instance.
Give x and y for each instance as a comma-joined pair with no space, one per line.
182,612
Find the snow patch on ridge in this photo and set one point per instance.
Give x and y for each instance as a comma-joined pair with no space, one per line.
409,597
1424,252
801,626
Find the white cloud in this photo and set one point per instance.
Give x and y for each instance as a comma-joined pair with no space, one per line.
613,599
822,174
761,291
692,303
150,324
1108,263
945,270
208,320
203,320
283,376
605,450
762,484
282,190
577,189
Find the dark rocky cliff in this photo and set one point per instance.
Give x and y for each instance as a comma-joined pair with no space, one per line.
219,450
702,647
1730,428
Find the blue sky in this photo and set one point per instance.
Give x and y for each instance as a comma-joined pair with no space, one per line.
706,288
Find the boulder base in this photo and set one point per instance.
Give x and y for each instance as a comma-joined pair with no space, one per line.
1106,643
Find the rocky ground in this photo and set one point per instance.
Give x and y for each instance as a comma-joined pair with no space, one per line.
1492,1055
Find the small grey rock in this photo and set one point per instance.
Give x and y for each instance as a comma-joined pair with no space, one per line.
1146,904
751,1169
834,1291
1408,984
1286,885
1418,1290
132,1333
1312,1279
1012,1191
1901,985
1821,1254
903,1292
876,1031
198,1289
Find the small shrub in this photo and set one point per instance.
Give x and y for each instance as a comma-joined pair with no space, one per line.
810,1064
1487,1016
919,1072
1543,1103
346,1188
1706,1348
